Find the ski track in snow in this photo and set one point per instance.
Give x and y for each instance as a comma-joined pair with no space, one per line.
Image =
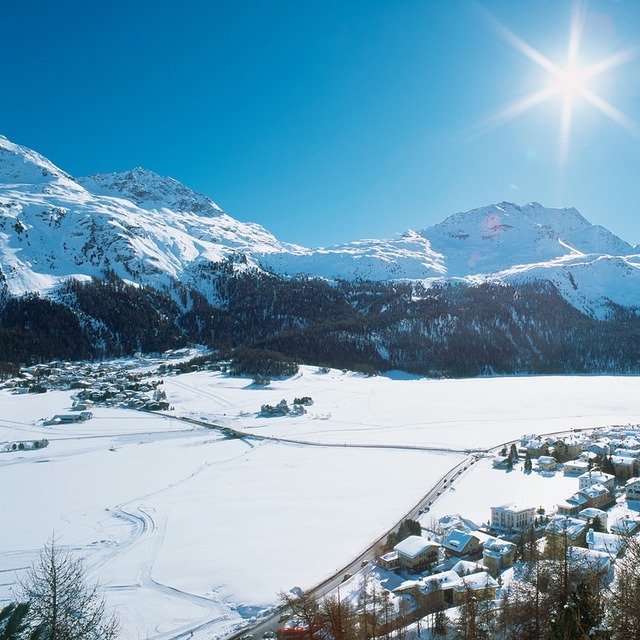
141,542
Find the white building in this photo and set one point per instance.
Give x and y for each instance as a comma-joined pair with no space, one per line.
597,477
512,516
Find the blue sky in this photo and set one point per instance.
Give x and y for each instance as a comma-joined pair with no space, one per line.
329,121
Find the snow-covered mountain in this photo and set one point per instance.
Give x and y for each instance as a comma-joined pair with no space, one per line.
141,226
151,229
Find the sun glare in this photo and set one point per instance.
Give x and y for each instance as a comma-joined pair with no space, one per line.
569,81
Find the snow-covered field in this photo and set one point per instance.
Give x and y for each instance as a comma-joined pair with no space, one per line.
186,529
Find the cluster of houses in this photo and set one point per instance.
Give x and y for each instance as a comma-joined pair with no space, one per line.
474,559
617,447
107,383
441,574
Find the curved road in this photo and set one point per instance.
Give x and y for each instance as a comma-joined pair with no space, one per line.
276,619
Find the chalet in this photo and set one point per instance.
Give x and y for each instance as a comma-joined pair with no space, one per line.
416,553
573,505
591,561
625,525
431,593
467,567
500,462
458,544
480,585
589,457
561,528
448,589
388,561
547,463
568,448
630,442
624,467
512,516
600,447
537,447
597,496
497,555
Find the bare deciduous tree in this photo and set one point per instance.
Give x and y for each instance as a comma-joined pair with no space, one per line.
62,603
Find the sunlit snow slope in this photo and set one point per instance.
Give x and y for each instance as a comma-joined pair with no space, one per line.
151,229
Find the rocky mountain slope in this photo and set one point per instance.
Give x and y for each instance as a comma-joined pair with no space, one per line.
136,261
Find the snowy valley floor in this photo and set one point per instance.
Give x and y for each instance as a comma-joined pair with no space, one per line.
185,528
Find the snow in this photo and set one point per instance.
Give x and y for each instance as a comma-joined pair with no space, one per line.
151,229
186,529
484,487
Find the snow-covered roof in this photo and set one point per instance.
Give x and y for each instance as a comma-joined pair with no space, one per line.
592,512
627,453
623,461
596,560
512,507
476,581
625,524
573,527
600,476
457,540
594,490
414,545
498,547
465,568
606,542
430,583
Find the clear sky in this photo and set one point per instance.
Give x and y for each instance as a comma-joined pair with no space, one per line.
334,120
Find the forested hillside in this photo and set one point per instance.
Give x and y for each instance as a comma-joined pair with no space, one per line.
448,329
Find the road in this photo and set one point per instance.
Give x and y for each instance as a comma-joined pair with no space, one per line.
278,618
273,622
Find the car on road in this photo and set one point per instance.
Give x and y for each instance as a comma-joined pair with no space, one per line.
269,634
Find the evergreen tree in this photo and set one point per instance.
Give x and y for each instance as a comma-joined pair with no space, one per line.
528,465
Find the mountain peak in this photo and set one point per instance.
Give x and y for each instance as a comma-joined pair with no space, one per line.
150,190
21,165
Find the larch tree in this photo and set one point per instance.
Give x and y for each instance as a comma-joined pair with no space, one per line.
61,601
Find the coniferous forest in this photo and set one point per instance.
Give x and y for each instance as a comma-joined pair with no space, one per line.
448,329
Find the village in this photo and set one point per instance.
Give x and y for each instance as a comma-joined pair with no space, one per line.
439,564
439,568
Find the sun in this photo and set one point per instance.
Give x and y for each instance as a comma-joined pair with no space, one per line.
569,81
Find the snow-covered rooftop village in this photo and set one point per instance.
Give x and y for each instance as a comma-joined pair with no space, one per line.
162,474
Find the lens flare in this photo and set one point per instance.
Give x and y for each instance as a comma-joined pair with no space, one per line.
570,81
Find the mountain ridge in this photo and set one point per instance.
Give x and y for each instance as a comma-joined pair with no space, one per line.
119,263
151,229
